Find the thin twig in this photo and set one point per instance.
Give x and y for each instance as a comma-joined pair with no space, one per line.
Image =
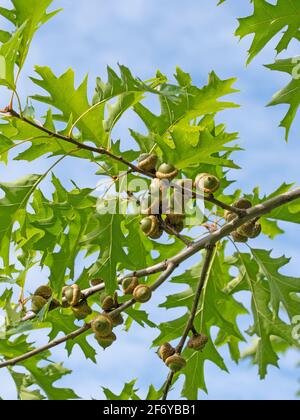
190,324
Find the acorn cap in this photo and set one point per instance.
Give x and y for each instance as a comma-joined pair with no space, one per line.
142,293
72,294
198,342
207,183
129,285
229,216
102,326
252,230
243,204
44,291
107,302
237,237
149,225
82,310
165,351
147,162
175,363
106,342
166,171
158,234
175,218
117,320
37,303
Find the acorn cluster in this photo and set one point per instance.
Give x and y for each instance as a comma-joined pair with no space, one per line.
76,301
140,292
173,360
152,225
249,230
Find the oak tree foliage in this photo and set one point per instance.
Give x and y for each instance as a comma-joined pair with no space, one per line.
53,232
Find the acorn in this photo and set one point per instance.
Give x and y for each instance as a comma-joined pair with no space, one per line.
117,320
151,227
44,291
175,363
82,310
165,351
167,171
147,162
252,230
129,285
178,227
198,342
207,183
142,293
238,237
37,303
106,342
229,216
72,294
102,326
243,204
107,302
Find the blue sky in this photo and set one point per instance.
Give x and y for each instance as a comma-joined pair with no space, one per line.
145,36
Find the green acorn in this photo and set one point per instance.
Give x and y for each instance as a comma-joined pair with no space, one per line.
207,183
175,363
44,291
142,293
243,204
129,285
82,310
37,303
198,342
106,342
102,326
147,162
167,172
151,227
165,351
107,302
252,230
117,320
237,237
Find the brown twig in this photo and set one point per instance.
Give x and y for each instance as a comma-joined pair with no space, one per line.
190,324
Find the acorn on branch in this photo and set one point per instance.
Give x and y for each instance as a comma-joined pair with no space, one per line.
243,204
167,171
102,326
40,298
82,310
229,216
165,351
237,237
44,291
175,363
72,294
142,293
106,342
107,302
147,162
117,320
207,183
37,303
151,227
251,230
198,342
129,285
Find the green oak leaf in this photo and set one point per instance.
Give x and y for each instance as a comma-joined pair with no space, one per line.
266,323
290,94
269,20
281,287
128,393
